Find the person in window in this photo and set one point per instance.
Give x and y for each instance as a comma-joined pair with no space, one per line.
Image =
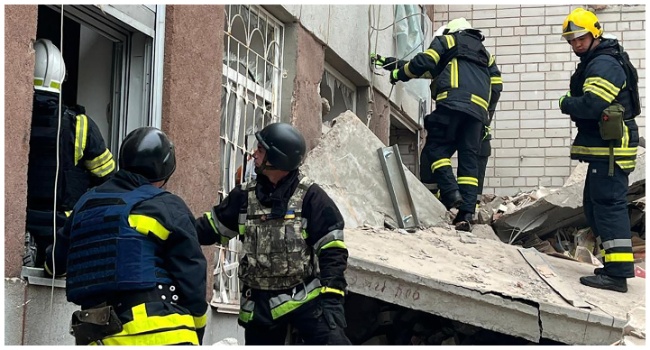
294,258
83,159
466,87
603,101
130,253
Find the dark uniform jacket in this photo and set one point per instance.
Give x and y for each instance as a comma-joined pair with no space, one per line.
84,161
599,81
465,74
182,257
318,208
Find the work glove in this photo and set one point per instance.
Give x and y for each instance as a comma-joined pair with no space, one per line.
568,94
333,311
394,76
379,61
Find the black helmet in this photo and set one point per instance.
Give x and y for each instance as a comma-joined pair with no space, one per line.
147,151
284,144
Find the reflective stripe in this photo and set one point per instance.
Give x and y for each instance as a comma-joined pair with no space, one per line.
626,164
303,224
246,309
80,137
334,244
454,73
332,290
440,163
433,54
221,228
285,303
146,224
426,75
335,235
625,142
604,151
479,101
99,160
599,92
200,321
408,71
208,216
68,213
451,42
604,84
441,96
167,337
242,230
496,80
619,257
104,169
468,180
53,84
432,187
617,243
492,59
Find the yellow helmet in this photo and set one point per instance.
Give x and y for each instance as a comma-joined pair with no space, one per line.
580,22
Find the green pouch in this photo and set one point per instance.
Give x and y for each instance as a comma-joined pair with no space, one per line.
611,122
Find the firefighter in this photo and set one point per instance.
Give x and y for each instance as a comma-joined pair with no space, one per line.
294,258
83,159
131,254
603,101
465,76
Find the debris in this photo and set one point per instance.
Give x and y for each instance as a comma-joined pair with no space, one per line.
226,342
467,237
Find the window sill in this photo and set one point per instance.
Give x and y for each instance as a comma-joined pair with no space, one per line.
37,276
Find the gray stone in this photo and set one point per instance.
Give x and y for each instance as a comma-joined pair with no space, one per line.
346,165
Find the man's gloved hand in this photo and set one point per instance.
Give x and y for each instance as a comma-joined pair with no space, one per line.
332,304
379,61
568,94
393,76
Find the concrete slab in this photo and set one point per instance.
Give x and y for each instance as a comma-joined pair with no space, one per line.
14,308
434,271
346,165
562,208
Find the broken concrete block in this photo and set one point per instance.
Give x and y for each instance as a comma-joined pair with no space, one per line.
560,208
346,165
484,232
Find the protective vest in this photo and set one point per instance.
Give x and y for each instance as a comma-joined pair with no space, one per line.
106,254
463,83
73,179
276,254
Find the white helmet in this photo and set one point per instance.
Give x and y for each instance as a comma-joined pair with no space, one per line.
440,31
49,68
458,24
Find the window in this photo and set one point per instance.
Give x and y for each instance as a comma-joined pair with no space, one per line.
339,92
252,66
111,70
411,38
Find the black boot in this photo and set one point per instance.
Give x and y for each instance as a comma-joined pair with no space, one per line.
599,271
452,199
462,222
603,281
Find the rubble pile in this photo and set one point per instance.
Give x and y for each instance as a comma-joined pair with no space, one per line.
552,220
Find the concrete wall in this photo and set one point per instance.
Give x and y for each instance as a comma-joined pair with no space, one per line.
192,105
532,137
20,30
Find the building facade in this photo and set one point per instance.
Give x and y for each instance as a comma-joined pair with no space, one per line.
212,75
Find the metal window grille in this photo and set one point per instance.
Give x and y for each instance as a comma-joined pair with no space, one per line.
251,83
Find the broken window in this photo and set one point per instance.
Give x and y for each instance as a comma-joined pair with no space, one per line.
405,133
252,65
411,38
340,93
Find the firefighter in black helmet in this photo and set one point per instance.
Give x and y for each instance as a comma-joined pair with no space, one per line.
289,226
130,251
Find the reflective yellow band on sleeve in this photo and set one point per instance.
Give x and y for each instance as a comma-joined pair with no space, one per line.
146,224
433,54
80,137
200,321
332,290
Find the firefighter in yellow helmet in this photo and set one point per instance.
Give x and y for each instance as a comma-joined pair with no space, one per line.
83,159
603,101
466,87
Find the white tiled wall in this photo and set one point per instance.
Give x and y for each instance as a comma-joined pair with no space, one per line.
531,137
